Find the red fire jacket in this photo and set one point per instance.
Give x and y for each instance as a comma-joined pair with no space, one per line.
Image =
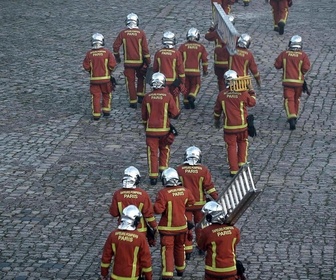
197,178
138,197
294,64
171,202
233,105
100,63
219,241
243,61
135,47
169,62
221,54
131,255
157,107
194,56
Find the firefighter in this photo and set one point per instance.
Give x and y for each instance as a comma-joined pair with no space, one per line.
219,241
131,193
294,63
243,60
158,107
197,178
221,54
168,61
128,248
136,58
100,63
171,203
280,9
194,57
234,105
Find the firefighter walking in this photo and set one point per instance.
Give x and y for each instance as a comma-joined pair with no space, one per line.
132,194
194,57
171,203
169,62
233,104
136,58
196,177
128,249
100,63
157,108
219,241
294,63
280,10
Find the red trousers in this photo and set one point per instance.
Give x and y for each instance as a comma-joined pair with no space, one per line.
158,155
219,72
279,10
236,146
195,216
101,95
134,88
193,85
172,254
292,97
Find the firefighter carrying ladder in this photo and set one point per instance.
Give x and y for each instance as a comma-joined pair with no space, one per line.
237,196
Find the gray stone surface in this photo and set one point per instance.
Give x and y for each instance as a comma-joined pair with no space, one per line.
58,169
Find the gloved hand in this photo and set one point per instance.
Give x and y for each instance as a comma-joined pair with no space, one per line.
151,236
143,69
183,89
103,277
290,3
176,82
305,88
113,82
258,83
205,73
250,126
117,58
176,91
190,235
217,124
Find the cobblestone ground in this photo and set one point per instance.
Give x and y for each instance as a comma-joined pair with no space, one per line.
59,169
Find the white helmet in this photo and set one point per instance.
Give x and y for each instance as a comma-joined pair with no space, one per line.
214,212
131,178
244,41
193,155
193,34
97,41
158,80
132,20
295,43
130,218
229,77
170,177
168,39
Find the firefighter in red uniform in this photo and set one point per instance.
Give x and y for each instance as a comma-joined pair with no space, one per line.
168,61
233,106
131,193
100,62
136,58
129,250
219,241
280,14
197,178
243,60
295,64
157,107
221,54
171,203
194,57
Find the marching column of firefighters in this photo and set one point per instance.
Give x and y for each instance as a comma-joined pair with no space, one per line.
188,194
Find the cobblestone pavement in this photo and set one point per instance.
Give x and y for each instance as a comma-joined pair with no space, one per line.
59,169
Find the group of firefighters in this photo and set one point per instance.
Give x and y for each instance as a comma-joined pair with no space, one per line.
183,200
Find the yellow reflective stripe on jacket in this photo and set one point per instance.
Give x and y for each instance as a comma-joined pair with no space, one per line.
128,61
105,265
107,72
244,123
284,78
213,266
172,228
147,269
